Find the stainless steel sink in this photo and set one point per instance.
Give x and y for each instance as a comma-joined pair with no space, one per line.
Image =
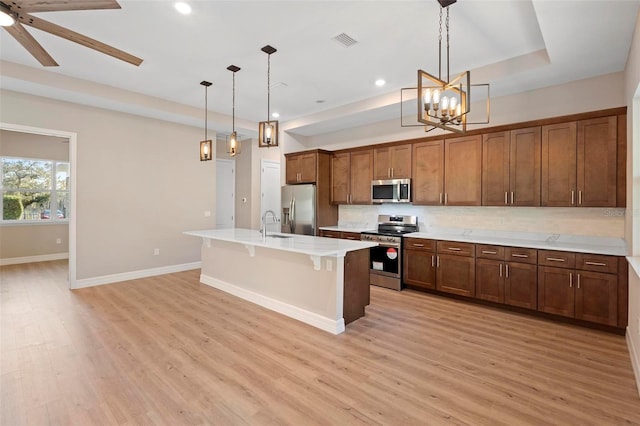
279,236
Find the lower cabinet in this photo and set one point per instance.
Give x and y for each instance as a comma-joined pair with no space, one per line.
456,274
419,268
339,234
521,285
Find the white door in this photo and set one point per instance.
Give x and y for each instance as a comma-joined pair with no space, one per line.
225,193
270,191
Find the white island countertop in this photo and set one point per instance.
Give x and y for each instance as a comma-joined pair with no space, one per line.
304,244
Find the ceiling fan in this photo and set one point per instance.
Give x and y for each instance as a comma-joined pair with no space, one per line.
15,14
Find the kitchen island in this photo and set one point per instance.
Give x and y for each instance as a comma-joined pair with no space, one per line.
323,282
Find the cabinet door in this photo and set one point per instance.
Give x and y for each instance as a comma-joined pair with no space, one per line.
292,165
524,167
382,163
350,236
559,165
597,157
340,173
456,274
555,291
308,168
428,173
495,169
490,280
401,162
361,176
597,297
419,269
463,171
329,234
521,285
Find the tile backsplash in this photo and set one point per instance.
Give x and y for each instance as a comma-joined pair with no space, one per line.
602,222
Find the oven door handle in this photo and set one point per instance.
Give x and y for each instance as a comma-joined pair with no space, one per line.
389,245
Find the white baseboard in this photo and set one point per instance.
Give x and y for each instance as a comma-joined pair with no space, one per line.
134,275
311,318
635,360
32,259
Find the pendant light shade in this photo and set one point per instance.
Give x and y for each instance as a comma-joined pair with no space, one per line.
233,144
206,145
268,130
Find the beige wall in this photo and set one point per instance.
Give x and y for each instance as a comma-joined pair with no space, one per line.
40,239
140,184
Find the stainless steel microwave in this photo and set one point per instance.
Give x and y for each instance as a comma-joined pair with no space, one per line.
391,191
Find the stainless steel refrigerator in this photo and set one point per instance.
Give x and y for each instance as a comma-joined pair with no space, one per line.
299,209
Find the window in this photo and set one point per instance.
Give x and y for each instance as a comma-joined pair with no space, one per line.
34,190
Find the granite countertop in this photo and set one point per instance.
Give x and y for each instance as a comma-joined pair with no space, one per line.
305,244
575,243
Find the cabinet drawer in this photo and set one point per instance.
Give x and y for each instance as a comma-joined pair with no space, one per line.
559,259
456,248
486,251
597,263
419,244
329,234
521,255
350,235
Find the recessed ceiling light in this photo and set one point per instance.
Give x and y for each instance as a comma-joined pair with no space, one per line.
183,8
275,114
380,82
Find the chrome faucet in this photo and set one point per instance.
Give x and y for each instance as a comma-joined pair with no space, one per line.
263,222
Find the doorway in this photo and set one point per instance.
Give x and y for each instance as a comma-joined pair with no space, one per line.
72,138
225,193
270,190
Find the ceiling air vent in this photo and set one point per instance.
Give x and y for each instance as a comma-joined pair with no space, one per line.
345,39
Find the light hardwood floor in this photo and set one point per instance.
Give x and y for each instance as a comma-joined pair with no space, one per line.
169,350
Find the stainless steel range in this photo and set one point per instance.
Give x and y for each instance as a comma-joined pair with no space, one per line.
386,259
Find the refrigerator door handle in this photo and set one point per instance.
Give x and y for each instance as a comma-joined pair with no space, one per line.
292,215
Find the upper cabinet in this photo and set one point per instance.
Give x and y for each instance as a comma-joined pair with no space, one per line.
428,173
301,168
392,162
511,168
351,175
579,163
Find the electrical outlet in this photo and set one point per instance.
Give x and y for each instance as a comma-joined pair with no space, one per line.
156,252
58,240
207,213
329,265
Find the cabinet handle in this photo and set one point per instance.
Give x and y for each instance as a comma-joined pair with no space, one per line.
445,198
433,261
580,201
506,199
572,197
437,261
489,252
454,248
596,263
511,197
571,279
417,245
556,259
441,198
392,172
506,265
519,255
578,281
501,269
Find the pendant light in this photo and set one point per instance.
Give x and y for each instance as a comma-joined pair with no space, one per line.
268,130
233,144
205,145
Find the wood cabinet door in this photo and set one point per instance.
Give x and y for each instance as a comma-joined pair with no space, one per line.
597,158
490,280
340,173
382,163
427,182
361,176
401,161
329,234
555,291
559,165
419,269
597,297
292,165
495,169
521,285
456,274
463,171
524,167
307,170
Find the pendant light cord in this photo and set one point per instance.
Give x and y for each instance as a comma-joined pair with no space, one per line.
269,89
447,25
440,47
206,90
233,109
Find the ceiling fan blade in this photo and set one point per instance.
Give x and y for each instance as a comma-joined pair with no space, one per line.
27,41
30,6
68,34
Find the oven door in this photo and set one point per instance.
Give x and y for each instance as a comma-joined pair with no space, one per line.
384,259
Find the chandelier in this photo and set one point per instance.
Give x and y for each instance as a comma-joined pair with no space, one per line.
446,104
268,130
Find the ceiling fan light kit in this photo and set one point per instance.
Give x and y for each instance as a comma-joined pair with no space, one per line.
268,130
19,11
